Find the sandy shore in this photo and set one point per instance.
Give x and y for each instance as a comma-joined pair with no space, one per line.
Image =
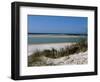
77,58
57,36
34,47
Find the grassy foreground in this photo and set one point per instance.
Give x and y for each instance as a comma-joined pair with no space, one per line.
54,53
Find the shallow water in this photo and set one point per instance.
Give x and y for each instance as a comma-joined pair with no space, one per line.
40,40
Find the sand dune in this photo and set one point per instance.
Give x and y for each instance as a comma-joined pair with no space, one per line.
77,58
80,58
74,59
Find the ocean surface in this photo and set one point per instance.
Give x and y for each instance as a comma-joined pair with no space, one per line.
40,40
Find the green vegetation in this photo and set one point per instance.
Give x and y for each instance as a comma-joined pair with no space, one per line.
54,53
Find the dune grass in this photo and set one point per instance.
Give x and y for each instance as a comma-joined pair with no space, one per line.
54,53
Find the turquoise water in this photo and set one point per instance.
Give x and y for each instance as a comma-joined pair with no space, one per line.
40,40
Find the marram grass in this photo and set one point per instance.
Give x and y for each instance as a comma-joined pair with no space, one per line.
54,53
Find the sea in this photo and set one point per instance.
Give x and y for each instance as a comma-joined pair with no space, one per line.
61,39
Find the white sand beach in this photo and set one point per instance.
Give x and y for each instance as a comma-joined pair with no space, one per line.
34,47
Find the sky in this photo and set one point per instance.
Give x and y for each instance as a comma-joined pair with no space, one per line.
57,24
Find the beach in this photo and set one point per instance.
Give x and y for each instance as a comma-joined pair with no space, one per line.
57,40
33,47
76,58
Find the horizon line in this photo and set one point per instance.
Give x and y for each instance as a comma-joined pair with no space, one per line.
61,33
